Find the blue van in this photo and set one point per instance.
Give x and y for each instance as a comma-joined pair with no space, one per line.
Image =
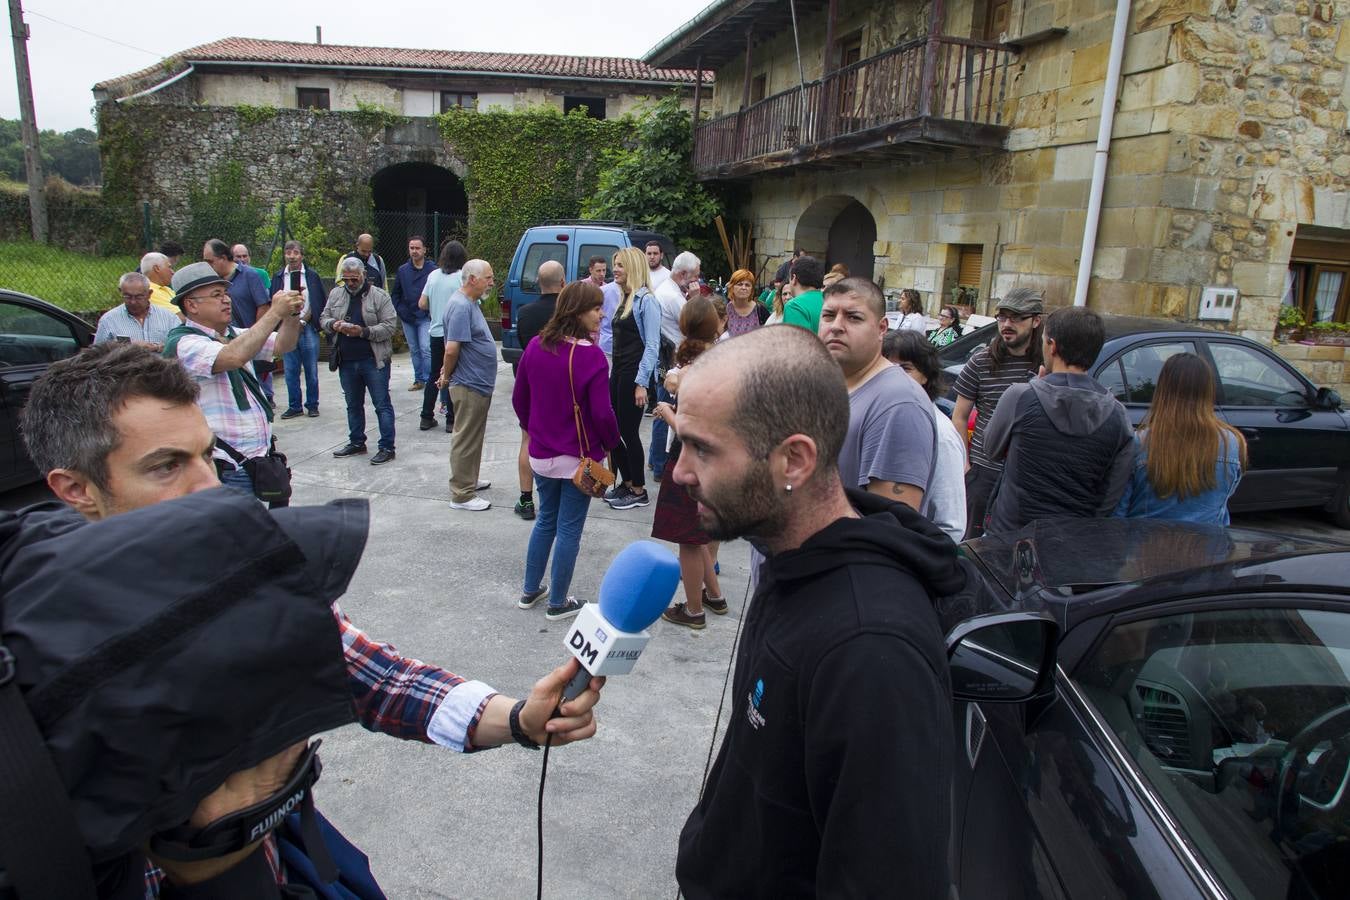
571,242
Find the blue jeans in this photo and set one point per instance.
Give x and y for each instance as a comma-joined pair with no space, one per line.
358,378
237,480
656,456
306,356
419,347
562,513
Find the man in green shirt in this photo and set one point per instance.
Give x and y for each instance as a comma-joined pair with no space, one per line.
803,310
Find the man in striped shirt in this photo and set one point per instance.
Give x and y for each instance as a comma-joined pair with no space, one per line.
137,320
1012,357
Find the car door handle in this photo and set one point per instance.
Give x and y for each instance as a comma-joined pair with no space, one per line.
1251,434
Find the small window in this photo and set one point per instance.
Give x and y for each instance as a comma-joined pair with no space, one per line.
536,256
30,337
1142,365
1110,377
312,98
1248,377
584,255
970,266
594,107
458,100
758,88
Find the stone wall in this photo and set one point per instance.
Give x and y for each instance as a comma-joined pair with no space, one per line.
286,155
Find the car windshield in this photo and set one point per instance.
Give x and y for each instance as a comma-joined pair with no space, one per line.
1239,720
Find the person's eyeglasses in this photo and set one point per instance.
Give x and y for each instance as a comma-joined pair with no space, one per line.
353,278
1009,317
944,315
135,296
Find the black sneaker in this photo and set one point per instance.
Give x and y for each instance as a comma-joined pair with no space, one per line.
426,424
525,509
382,457
292,413
569,609
531,600
715,605
629,500
312,413
615,492
350,450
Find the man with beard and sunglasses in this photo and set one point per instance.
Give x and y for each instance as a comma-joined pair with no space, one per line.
1013,357
841,669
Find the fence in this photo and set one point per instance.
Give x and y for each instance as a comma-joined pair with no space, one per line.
79,268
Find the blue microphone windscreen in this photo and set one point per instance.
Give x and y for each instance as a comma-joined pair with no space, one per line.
638,585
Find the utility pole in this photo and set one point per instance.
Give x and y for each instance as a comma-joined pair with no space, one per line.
32,155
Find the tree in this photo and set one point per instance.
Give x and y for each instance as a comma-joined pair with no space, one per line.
72,155
653,182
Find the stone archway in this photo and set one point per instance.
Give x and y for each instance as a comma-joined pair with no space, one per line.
839,229
416,198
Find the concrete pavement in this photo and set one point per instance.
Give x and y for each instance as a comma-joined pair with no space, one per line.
441,585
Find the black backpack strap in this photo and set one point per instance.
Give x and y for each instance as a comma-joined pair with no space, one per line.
231,452
41,848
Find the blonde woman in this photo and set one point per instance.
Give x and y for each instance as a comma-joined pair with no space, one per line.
637,342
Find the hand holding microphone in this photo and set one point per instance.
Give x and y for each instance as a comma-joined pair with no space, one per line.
576,722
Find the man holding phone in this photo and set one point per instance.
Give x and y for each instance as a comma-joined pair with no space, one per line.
137,320
297,276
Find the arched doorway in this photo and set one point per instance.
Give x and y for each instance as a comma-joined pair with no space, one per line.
416,198
843,230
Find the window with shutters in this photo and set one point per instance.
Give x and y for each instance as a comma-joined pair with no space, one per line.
970,266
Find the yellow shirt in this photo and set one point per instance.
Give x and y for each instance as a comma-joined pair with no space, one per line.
162,295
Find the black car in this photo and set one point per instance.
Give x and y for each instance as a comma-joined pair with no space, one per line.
33,334
1191,738
1298,435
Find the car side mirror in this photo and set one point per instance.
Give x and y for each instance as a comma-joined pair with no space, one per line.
1002,658
1326,398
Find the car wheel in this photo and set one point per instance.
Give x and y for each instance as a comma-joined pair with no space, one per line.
1341,510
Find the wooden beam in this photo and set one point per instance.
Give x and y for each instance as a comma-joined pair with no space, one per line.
832,14
749,61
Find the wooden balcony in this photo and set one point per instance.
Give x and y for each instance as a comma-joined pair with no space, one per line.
920,100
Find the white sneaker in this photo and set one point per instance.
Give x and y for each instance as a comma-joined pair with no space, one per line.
477,504
483,486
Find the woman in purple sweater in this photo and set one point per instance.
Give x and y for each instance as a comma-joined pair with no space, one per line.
557,365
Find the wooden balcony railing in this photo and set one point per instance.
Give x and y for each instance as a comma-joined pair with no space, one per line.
950,90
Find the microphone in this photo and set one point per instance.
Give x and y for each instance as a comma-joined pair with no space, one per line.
609,636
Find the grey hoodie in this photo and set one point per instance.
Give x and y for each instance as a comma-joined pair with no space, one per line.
1069,449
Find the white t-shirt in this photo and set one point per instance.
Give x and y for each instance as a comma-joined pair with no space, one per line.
672,300
945,501
913,322
656,276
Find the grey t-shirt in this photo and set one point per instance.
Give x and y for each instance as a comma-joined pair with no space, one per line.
890,432
477,366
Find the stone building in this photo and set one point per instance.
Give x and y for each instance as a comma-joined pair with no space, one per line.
261,103
949,144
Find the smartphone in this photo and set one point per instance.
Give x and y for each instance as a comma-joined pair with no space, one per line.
295,281
122,339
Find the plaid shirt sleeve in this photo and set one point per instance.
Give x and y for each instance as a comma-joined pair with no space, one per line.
407,698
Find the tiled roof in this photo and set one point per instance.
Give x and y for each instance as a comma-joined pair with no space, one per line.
255,50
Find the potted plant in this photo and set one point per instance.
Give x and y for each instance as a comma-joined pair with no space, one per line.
1289,322
1334,334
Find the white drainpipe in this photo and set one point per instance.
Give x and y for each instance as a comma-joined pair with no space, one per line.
1108,118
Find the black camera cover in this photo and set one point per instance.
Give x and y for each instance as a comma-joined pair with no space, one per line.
162,649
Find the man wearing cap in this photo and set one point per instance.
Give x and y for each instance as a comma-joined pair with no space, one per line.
1013,357
217,355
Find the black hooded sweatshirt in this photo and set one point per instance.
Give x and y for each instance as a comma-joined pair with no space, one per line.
835,775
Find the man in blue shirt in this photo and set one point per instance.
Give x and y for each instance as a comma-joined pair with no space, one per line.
470,370
248,298
409,284
137,320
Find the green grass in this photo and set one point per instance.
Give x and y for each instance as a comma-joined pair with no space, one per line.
79,282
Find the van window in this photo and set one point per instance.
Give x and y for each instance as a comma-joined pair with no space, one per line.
584,258
535,256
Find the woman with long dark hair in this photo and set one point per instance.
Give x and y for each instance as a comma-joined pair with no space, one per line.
561,398
441,285
676,518
949,326
637,343
911,312
945,500
1187,462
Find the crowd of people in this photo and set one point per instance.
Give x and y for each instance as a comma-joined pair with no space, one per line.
822,444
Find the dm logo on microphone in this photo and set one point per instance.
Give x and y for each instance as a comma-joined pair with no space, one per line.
752,710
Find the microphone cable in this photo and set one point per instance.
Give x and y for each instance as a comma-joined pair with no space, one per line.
539,816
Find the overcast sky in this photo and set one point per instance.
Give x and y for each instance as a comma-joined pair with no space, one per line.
96,38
